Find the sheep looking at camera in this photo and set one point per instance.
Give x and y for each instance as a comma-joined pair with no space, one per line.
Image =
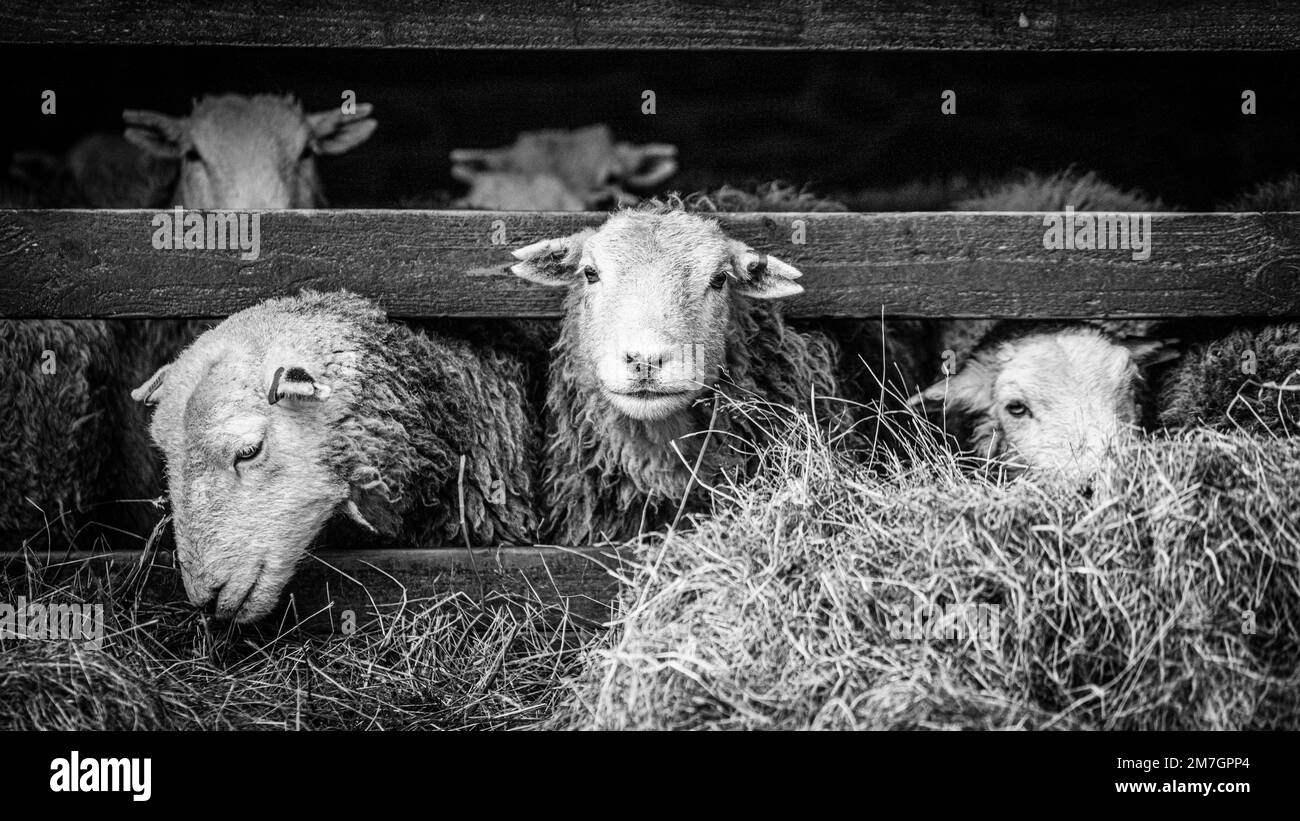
1055,397
300,408
663,310
248,152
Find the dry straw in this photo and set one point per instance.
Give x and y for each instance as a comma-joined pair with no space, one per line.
1166,595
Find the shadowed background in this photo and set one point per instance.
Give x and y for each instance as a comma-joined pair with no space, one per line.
1169,123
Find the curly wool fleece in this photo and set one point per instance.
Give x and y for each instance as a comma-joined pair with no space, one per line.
1237,381
409,406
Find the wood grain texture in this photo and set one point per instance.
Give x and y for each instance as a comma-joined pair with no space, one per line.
667,24
575,582
445,263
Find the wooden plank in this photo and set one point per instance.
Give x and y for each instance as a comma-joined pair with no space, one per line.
447,263
666,24
370,583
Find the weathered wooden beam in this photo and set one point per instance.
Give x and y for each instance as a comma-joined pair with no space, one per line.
666,24
373,583
71,263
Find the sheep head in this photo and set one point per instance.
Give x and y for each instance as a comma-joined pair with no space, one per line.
248,152
1053,399
650,302
248,420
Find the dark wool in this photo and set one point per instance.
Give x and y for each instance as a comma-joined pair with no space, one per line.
425,400
1210,385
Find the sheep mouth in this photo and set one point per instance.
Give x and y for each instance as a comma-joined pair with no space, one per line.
649,394
650,404
242,608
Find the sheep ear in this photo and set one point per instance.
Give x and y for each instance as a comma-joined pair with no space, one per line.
1148,353
294,383
551,262
147,393
334,132
971,388
762,276
647,165
156,133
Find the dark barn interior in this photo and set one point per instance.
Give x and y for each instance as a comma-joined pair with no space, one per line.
1168,123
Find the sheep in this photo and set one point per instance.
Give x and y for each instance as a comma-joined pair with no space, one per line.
301,408
663,310
248,152
1246,377
1051,396
1056,397
556,170
230,152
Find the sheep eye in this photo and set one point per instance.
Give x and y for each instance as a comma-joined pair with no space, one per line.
719,279
591,275
247,452
1017,408
192,155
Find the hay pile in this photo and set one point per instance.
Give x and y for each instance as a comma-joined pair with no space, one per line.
445,663
1128,606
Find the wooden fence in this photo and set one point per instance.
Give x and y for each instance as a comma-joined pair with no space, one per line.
1150,25
453,263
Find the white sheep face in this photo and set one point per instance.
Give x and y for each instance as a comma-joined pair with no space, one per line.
1058,401
652,302
249,481
248,152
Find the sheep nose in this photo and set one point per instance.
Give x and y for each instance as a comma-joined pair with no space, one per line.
647,364
668,363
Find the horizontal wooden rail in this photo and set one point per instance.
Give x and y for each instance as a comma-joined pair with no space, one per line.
372,583
71,263
666,24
